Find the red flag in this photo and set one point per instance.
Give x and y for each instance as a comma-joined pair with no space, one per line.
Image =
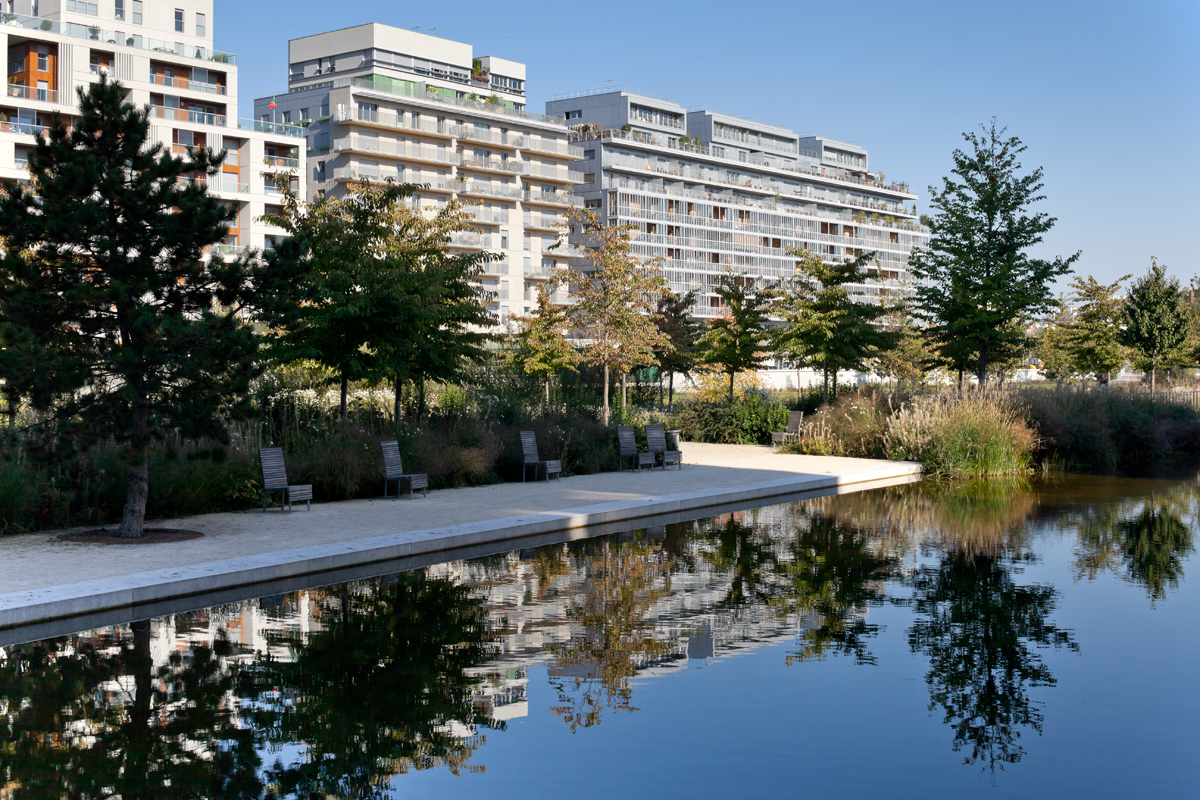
271,104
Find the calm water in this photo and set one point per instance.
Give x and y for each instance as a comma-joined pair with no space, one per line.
908,642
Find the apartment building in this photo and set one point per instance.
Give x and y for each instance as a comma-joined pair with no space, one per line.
380,102
162,52
709,191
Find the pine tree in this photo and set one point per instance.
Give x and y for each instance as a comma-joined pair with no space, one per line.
542,347
105,283
978,285
1156,322
736,340
614,300
823,325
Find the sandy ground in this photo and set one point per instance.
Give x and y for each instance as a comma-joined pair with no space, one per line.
39,560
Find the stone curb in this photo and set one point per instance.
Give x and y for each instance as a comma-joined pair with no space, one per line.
87,597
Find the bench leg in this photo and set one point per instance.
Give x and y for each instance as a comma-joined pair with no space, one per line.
264,501
308,505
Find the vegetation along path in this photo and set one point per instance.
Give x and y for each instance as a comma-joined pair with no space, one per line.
40,570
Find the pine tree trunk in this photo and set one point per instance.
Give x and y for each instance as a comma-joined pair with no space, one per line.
982,364
731,388
606,412
134,518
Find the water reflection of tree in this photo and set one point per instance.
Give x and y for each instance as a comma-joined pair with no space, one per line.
380,691
92,717
593,668
979,627
833,572
1147,548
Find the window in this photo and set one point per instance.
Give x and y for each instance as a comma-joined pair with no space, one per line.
201,27
574,114
16,65
179,20
528,243
43,90
137,12
119,13
43,58
82,7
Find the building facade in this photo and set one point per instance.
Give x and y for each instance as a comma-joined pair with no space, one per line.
162,53
381,103
709,191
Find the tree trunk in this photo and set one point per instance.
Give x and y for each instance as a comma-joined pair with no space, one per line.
731,375
671,392
961,375
825,383
137,768
833,382
660,388
1152,376
982,364
547,385
624,390
799,392
606,413
420,398
345,392
134,518
396,404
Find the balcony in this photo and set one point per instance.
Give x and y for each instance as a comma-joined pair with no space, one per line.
508,191
23,127
542,222
95,34
282,162
495,165
184,115
495,267
386,147
541,271
184,83
555,173
32,93
487,216
471,239
558,147
394,121
281,128
488,136
418,92
551,198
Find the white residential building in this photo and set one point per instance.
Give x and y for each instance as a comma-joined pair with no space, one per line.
162,53
380,102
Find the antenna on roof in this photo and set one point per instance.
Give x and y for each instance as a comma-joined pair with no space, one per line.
415,28
434,28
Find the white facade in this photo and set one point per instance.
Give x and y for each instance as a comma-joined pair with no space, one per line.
162,53
382,103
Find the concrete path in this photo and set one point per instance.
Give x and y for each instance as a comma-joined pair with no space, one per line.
36,569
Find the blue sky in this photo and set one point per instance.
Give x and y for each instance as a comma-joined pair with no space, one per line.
1105,94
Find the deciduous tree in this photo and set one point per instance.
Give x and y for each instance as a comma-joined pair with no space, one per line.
736,340
1095,332
674,319
542,347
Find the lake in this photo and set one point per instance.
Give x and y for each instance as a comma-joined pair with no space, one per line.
1008,639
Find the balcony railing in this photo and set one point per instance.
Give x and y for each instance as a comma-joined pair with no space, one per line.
282,161
539,271
487,216
418,92
393,120
543,222
364,144
96,34
32,93
496,267
23,127
262,126
555,173
558,147
471,239
495,164
184,115
489,136
184,83
553,198
505,191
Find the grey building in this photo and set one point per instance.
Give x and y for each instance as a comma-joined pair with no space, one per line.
709,191
380,102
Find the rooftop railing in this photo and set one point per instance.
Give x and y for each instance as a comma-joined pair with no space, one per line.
96,34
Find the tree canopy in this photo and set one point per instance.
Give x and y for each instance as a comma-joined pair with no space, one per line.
1156,321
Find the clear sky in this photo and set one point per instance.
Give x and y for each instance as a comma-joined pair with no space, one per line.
1105,94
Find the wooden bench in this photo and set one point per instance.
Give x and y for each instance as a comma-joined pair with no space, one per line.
274,475
393,470
656,443
530,451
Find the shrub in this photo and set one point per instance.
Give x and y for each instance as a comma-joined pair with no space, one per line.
748,421
975,435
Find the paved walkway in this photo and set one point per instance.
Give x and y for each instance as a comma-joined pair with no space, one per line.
40,562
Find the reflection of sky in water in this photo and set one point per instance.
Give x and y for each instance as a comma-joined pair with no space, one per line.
718,717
